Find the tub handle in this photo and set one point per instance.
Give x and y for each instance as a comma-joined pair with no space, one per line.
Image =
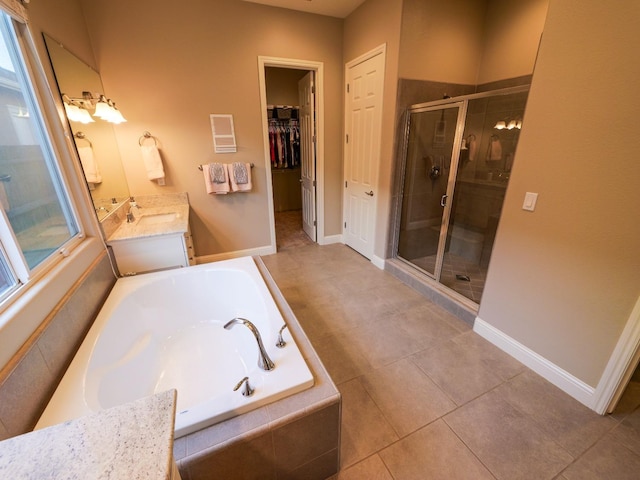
247,391
281,343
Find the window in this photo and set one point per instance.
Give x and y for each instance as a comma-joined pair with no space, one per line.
37,219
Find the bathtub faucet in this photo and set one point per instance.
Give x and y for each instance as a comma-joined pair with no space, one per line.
264,362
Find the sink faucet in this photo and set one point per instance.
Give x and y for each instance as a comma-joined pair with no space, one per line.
130,217
132,204
264,362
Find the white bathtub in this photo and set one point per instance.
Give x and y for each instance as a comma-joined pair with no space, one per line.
165,330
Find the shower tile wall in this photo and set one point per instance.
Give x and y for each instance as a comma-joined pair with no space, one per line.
27,383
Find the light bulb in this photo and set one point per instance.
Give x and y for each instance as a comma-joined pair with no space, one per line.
83,116
116,116
500,125
103,110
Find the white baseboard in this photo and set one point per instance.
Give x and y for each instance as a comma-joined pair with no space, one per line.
330,239
250,252
378,262
543,367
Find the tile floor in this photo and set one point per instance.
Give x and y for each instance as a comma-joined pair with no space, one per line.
454,265
289,233
424,397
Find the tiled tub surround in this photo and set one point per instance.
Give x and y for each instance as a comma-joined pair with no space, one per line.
296,437
132,441
29,380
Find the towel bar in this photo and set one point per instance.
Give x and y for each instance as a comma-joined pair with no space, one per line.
82,136
145,136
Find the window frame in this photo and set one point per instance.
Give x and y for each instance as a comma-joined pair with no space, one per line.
32,302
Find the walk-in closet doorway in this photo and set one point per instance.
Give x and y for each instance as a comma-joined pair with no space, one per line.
291,100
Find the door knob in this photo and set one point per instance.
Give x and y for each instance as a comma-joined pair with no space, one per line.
370,193
443,200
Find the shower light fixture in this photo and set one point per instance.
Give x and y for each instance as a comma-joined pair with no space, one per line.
513,123
78,108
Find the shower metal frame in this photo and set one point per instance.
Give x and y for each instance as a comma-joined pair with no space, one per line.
462,103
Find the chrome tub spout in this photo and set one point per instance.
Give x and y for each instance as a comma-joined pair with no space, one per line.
264,362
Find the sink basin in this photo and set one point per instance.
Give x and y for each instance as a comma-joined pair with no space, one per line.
154,219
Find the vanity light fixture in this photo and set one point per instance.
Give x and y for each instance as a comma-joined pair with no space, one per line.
78,108
75,113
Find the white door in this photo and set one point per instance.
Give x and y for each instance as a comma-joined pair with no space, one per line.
308,154
363,122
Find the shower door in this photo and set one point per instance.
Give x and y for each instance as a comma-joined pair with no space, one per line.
432,145
458,159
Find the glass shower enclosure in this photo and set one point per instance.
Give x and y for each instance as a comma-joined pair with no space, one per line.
458,156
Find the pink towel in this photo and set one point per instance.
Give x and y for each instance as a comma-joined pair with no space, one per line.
241,187
216,188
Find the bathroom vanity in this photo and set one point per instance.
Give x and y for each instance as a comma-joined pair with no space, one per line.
152,236
132,441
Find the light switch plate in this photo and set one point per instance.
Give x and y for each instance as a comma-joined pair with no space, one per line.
530,200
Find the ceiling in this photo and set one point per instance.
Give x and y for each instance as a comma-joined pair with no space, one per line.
332,8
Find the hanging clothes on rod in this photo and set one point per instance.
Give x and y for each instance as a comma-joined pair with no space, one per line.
284,137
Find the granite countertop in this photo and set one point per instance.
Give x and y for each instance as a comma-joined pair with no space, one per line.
132,441
152,221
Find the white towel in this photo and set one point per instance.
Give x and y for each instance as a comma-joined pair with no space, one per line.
210,186
241,187
152,161
495,149
473,147
89,165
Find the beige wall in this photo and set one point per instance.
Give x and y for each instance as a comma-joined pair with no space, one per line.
282,85
374,23
564,279
442,41
64,21
470,42
511,38
169,68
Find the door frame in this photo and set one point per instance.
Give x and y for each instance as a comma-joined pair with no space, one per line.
318,68
622,363
379,50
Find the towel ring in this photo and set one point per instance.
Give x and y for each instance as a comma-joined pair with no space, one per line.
145,136
200,166
82,136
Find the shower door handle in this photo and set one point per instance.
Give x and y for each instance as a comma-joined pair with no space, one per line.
370,193
443,200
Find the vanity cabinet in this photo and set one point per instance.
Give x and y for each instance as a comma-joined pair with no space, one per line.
159,252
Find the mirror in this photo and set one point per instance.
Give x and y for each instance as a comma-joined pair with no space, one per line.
95,142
